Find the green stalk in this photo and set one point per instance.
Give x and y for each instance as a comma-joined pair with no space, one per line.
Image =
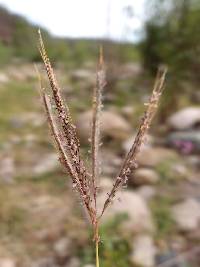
97,253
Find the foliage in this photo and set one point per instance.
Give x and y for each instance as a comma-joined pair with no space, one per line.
113,249
165,225
11,215
172,38
5,54
18,39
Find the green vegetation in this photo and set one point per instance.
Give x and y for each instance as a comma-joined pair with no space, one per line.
160,208
18,39
12,216
172,38
114,248
5,54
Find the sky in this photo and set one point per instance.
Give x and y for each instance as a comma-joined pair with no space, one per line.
83,18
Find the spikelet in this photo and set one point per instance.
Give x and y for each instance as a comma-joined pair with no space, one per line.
130,162
68,145
95,138
68,135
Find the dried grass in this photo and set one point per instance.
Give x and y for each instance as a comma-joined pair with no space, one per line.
68,145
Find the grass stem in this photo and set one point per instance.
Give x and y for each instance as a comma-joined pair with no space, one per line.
97,253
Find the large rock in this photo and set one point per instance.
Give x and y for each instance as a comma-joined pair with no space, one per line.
45,262
24,119
186,142
109,162
63,247
48,163
152,157
130,70
83,74
185,118
73,262
132,204
147,192
187,214
7,169
143,176
6,262
3,78
112,125
105,184
127,144
143,251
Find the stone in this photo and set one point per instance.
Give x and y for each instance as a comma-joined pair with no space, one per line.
45,262
113,125
187,214
186,142
152,157
63,247
6,262
185,118
73,262
143,176
131,204
29,118
3,78
46,164
128,112
21,72
127,144
109,162
147,192
169,256
105,184
83,74
7,169
130,70
144,251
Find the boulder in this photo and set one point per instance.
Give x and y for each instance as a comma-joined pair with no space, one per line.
130,70
7,169
83,74
147,192
144,251
63,247
127,144
3,78
30,118
131,204
185,118
186,142
152,157
187,214
105,184
109,162
112,125
48,163
143,176
7,262
45,262
73,262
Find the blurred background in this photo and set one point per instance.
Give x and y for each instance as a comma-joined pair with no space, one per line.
156,222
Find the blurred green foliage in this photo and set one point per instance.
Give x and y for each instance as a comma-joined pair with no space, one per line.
164,222
113,247
18,39
172,38
5,54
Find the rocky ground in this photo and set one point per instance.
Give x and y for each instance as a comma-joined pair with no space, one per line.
154,222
